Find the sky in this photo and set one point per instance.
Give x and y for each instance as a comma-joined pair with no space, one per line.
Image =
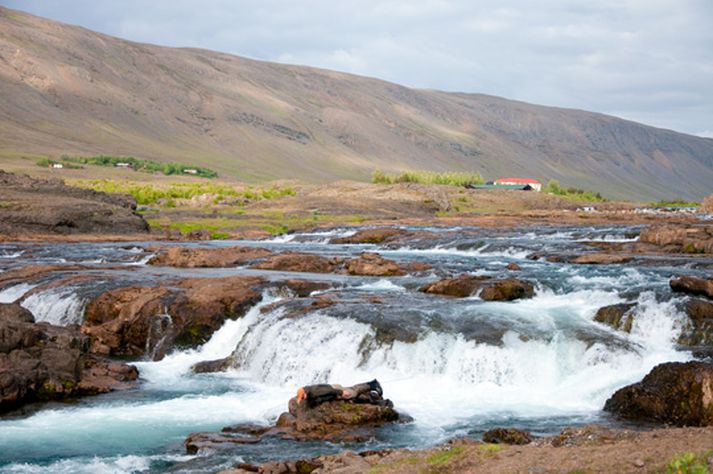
645,60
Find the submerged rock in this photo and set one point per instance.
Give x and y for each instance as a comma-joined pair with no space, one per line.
372,236
507,290
42,362
507,436
136,321
676,393
373,264
300,262
600,259
618,316
187,257
692,286
512,266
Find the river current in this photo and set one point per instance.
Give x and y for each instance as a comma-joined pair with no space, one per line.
458,366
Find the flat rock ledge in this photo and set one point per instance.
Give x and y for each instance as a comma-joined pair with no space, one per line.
333,421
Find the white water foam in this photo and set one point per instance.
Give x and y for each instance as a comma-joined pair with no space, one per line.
509,252
9,255
380,285
15,292
60,306
95,465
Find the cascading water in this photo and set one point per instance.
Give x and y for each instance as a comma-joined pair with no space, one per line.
458,366
60,306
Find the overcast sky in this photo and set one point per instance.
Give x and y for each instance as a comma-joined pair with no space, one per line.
645,60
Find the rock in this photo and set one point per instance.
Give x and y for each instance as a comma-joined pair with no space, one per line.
460,287
187,257
373,264
371,236
42,362
335,421
512,266
590,435
466,285
618,316
507,290
507,436
600,259
299,262
686,238
51,207
304,288
700,332
675,393
137,321
692,286
209,366
707,205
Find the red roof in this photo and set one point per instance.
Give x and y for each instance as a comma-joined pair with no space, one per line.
518,180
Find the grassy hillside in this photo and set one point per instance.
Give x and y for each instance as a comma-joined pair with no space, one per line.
67,90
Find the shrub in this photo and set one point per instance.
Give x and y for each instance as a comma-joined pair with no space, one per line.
451,178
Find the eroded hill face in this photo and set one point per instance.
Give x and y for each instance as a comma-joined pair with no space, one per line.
69,90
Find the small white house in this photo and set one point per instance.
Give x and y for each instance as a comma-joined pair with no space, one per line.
190,171
534,184
58,166
123,165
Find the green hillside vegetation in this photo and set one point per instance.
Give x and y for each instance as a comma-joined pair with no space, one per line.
147,166
452,178
572,194
148,194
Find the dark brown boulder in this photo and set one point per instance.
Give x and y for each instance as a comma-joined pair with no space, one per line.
512,266
41,362
686,238
461,286
209,366
618,316
371,236
600,259
675,393
692,286
507,290
507,436
187,257
304,288
373,264
136,321
300,262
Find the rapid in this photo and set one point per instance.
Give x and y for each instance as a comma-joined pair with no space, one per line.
458,366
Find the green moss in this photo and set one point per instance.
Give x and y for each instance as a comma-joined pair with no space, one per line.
444,457
691,248
220,235
689,463
395,465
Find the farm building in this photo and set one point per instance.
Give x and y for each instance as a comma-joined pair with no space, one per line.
533,183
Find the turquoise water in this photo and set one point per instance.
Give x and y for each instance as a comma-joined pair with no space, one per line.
461,367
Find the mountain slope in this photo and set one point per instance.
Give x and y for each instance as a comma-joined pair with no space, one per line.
66,89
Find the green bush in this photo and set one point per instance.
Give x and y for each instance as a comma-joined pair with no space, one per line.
572,194
148,166
688,463
451,178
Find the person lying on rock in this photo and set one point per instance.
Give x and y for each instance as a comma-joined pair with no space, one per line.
368,392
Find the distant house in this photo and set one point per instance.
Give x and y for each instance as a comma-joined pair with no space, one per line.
57,165
515,187
123,165
533,183
190,171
